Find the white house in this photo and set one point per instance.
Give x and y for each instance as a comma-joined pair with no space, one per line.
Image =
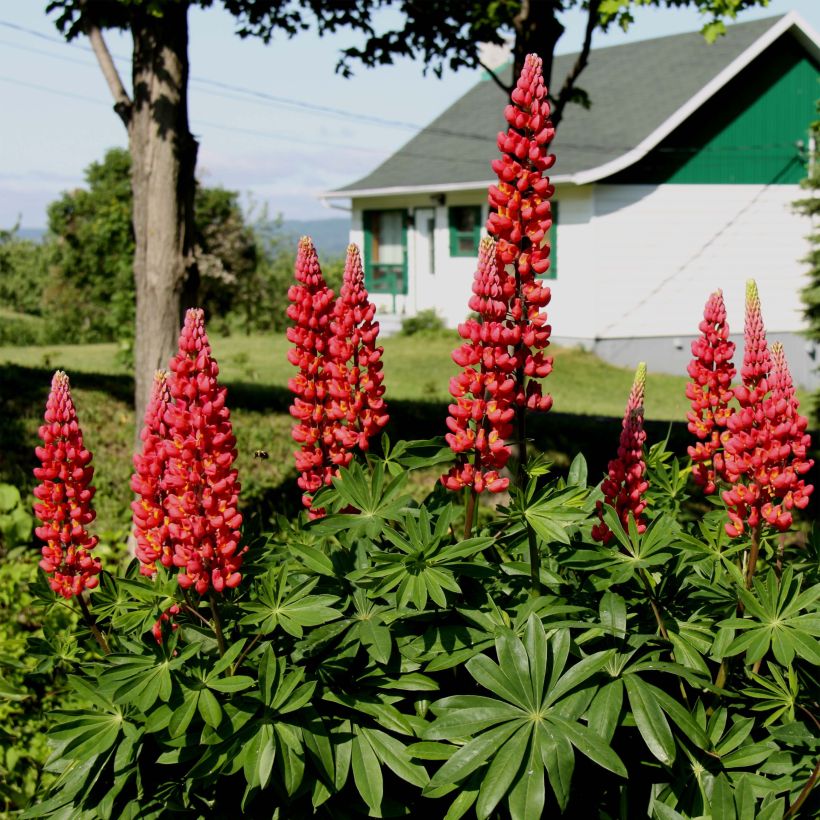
678,179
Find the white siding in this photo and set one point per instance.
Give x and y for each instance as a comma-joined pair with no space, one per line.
655,253
634,261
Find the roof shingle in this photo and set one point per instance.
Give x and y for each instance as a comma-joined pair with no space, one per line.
633,89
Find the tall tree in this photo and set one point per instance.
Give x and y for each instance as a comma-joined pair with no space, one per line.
163,150
447,33
90,248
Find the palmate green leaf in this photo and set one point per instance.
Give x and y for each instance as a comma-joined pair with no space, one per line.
376,501
184,713
721,802
502,771
289,609
577,674
464,715
473,754
678,713
612,612
515,665
209,708
376,637
367,773
289,755
258,755
650,720
589,744
394,754
605,710
492,677
558,758
80,736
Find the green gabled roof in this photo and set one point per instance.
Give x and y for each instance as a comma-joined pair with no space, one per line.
637,90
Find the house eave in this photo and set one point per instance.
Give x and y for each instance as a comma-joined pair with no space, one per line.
439,188
807,36
791,21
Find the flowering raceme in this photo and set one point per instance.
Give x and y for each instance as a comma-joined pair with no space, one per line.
482,418
766,445
64,496
710,392
354,366
148,510
199,481
520,219
626,483
311,310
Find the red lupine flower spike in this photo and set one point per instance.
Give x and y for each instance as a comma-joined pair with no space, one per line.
64,496
766,443
625,485
199,482
710,392
482,418
354,366
757,361
310,311
520,219
148,510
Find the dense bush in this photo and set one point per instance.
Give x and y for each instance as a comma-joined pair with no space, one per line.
425,321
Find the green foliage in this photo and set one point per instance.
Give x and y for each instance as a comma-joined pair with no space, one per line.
29,689
22,279
425,321
86,259
378,664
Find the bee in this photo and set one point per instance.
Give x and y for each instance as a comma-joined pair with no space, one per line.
263,454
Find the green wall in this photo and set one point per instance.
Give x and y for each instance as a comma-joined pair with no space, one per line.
746,133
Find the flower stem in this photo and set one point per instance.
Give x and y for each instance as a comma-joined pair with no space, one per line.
535,562
245,652
754,551
92,625
470,512
217,624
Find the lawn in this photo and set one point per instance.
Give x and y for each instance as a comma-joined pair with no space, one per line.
589,397
416,368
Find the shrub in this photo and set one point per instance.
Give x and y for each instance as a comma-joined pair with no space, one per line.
425,321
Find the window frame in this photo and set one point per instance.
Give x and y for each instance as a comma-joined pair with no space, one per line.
367,226
456,235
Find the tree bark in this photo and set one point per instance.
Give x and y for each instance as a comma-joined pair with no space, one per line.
537,31
163,161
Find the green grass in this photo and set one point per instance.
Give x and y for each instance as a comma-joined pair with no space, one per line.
416,367
589,397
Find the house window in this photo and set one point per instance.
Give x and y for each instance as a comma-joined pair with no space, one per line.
465,230
552,272
385,251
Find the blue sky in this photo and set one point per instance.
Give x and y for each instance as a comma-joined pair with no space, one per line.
57,117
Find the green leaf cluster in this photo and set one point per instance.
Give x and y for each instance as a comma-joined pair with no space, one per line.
378,663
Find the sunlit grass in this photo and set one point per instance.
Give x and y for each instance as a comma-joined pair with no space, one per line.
416,367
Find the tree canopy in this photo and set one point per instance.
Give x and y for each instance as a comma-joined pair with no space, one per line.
91,252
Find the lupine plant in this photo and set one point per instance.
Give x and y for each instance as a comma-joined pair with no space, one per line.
587,648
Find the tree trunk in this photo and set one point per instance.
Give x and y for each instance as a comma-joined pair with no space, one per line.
163,156
537,31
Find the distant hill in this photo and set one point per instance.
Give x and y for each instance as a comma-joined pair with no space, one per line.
34,234
330,236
